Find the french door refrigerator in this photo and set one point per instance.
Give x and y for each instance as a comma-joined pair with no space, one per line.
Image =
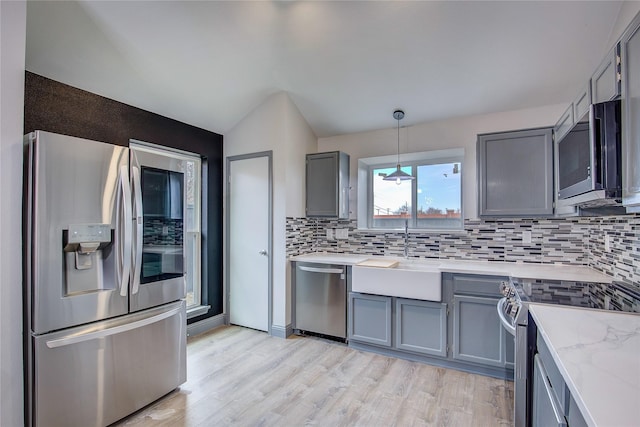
105,318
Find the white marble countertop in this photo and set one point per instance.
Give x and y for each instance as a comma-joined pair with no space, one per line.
598,354
515,270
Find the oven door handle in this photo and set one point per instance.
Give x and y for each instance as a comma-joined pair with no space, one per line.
503,319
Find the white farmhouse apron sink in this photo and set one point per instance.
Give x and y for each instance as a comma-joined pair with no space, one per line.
407,280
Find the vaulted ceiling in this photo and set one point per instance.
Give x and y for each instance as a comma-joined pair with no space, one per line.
346,65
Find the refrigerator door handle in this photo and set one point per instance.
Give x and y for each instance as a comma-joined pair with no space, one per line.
125,228
78,338
139,221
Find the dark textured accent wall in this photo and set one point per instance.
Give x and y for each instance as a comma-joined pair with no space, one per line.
55,107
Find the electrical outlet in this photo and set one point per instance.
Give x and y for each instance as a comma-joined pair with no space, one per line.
342,233
607,243
329,233
526,236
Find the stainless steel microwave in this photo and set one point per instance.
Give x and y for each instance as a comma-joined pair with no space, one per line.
589,156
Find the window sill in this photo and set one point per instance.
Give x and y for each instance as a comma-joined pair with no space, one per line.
197,310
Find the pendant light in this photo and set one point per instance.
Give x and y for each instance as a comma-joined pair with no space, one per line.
398,176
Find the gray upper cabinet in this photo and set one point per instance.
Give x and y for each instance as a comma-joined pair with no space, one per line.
605,82
630,57
564,124
327,185
582,103
515,173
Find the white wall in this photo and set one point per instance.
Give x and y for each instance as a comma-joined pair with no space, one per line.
13,18
277,125
628,11
452,133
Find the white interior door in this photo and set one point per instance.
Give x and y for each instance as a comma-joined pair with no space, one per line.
249,245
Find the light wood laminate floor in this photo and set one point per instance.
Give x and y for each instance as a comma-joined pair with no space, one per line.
238,376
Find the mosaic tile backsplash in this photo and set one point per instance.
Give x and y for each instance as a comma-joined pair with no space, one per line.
609,244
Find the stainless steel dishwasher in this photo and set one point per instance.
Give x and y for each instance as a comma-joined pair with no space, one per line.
321,299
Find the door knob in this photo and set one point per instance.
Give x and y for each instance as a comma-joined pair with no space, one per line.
263,252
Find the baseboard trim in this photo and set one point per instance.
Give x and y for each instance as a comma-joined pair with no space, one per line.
206,325
281,331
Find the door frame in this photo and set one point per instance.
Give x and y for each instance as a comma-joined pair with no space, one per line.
227,232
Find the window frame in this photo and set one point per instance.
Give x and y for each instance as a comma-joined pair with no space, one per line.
414,160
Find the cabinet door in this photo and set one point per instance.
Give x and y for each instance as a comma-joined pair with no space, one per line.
327,185
478,335
516,173
421,326
565,124
370,319
630,57
582,103
605,82
545,411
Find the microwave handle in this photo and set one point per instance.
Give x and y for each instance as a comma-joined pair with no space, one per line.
596,139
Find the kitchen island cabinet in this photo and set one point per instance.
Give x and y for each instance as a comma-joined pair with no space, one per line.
595,354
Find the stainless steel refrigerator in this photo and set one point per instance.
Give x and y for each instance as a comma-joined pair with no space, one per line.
105,321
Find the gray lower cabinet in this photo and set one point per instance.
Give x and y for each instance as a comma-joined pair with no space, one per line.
551,401
421,326
478,335
546,410
515,173
369,319
461,331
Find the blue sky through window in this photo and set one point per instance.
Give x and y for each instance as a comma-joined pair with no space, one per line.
438,188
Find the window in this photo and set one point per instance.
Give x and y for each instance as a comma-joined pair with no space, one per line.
433,200
193,236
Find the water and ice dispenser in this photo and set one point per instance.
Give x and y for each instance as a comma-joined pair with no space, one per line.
86,247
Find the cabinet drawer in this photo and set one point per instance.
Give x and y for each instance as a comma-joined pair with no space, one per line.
477,285
545,409
554,375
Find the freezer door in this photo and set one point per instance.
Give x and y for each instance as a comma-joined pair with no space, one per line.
98,374
158,183
77,224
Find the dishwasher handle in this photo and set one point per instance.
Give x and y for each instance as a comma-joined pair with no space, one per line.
321,270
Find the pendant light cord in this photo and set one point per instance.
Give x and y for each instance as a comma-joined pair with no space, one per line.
398,143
